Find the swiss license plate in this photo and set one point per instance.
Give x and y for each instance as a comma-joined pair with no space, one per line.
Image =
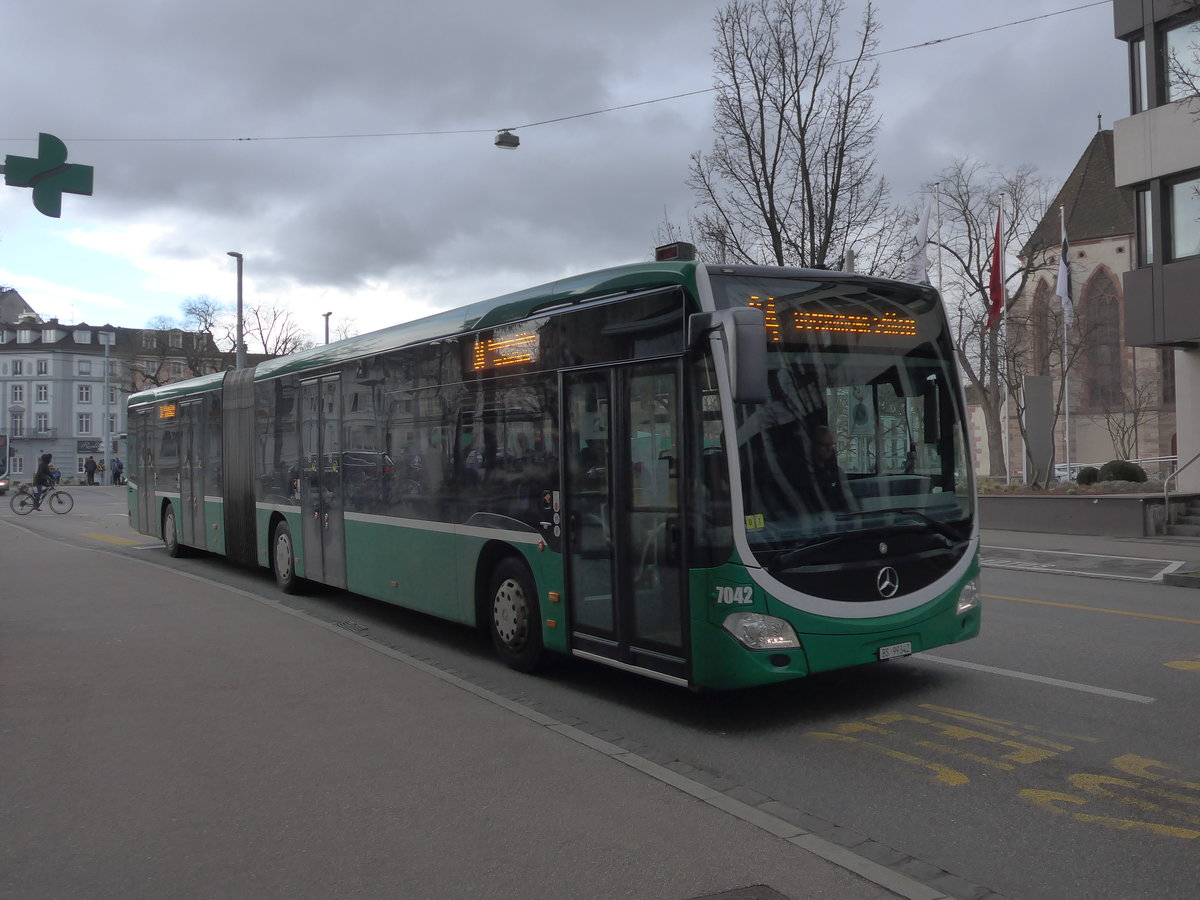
892,651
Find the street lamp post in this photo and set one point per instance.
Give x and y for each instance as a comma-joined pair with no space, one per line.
239,347
327,315
106,448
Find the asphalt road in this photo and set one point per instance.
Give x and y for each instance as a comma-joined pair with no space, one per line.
1055,756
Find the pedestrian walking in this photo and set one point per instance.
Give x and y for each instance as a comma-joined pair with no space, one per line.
117,468
100,472
89,469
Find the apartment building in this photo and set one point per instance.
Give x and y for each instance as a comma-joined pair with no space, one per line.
64,387
1157,158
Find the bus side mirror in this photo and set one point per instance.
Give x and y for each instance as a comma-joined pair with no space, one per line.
743,334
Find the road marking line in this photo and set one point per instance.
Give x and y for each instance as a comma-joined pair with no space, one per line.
1073,553
1115,612
112,539
1166,565
1041,679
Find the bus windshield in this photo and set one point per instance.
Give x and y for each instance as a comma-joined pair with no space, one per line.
862,434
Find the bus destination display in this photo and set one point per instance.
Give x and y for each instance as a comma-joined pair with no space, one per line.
803,321
506,347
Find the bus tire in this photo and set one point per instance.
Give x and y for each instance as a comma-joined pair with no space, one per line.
283,559
170,533
514,617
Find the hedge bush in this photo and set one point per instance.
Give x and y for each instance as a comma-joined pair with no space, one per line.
1122,470
1087,475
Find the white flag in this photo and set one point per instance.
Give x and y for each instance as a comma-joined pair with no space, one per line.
1064,280
916,263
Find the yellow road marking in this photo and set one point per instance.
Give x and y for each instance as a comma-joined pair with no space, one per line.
1188,665
1115,612
114,539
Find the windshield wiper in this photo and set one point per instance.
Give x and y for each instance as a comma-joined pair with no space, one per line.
947,531
789,558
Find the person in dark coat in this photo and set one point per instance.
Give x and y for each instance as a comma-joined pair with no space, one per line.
89,469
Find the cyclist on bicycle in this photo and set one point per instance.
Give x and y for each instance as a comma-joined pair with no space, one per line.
43,479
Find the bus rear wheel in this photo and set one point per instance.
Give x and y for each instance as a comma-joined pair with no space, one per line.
514,619
170,533
283,560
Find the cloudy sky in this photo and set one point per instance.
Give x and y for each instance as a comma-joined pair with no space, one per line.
372,188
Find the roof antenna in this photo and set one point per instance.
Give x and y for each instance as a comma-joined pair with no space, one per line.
1099,123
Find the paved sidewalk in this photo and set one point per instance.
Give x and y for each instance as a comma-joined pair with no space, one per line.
163,736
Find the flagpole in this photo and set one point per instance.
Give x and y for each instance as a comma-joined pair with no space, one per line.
1004,350
937,200
1062,217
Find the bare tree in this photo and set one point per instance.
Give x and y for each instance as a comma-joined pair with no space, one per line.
345,327
969,195
1128,413
791,179
270,325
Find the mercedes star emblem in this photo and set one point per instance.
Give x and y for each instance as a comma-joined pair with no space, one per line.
888,582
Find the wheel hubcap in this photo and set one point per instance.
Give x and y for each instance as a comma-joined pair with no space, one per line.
509,612
283,557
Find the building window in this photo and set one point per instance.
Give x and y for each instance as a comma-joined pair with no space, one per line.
1139,99
149,340
43,367
176,369
42,423
112,396
1183,198
112,367
1145,228
1181,70
43,393
175,339
84,393
1102,354
1166,360
18,425
18,392
18,367
112,423
84,422
18,465
85,367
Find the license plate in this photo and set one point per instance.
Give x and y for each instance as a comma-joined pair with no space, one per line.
892,651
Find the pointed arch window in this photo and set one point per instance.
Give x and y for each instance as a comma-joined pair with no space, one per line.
1102,354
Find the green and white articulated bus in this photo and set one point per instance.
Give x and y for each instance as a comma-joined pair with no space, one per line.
617,466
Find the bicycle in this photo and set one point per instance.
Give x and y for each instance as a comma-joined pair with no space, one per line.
25,501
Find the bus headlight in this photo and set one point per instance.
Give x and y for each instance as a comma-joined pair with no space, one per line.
969,598
760,632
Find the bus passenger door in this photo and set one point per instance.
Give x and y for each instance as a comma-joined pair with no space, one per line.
323,532
191,480
625,575
142,471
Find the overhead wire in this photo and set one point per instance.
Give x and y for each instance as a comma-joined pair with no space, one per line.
595,112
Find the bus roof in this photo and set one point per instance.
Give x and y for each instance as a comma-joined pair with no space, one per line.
483,314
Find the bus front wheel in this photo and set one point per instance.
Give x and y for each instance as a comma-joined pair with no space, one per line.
283,560
514,618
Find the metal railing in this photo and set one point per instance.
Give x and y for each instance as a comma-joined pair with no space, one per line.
1167,489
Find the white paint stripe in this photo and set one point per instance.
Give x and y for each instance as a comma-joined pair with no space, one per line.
1048,569
1041,679
1073,553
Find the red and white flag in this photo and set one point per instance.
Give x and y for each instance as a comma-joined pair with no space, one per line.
996,284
